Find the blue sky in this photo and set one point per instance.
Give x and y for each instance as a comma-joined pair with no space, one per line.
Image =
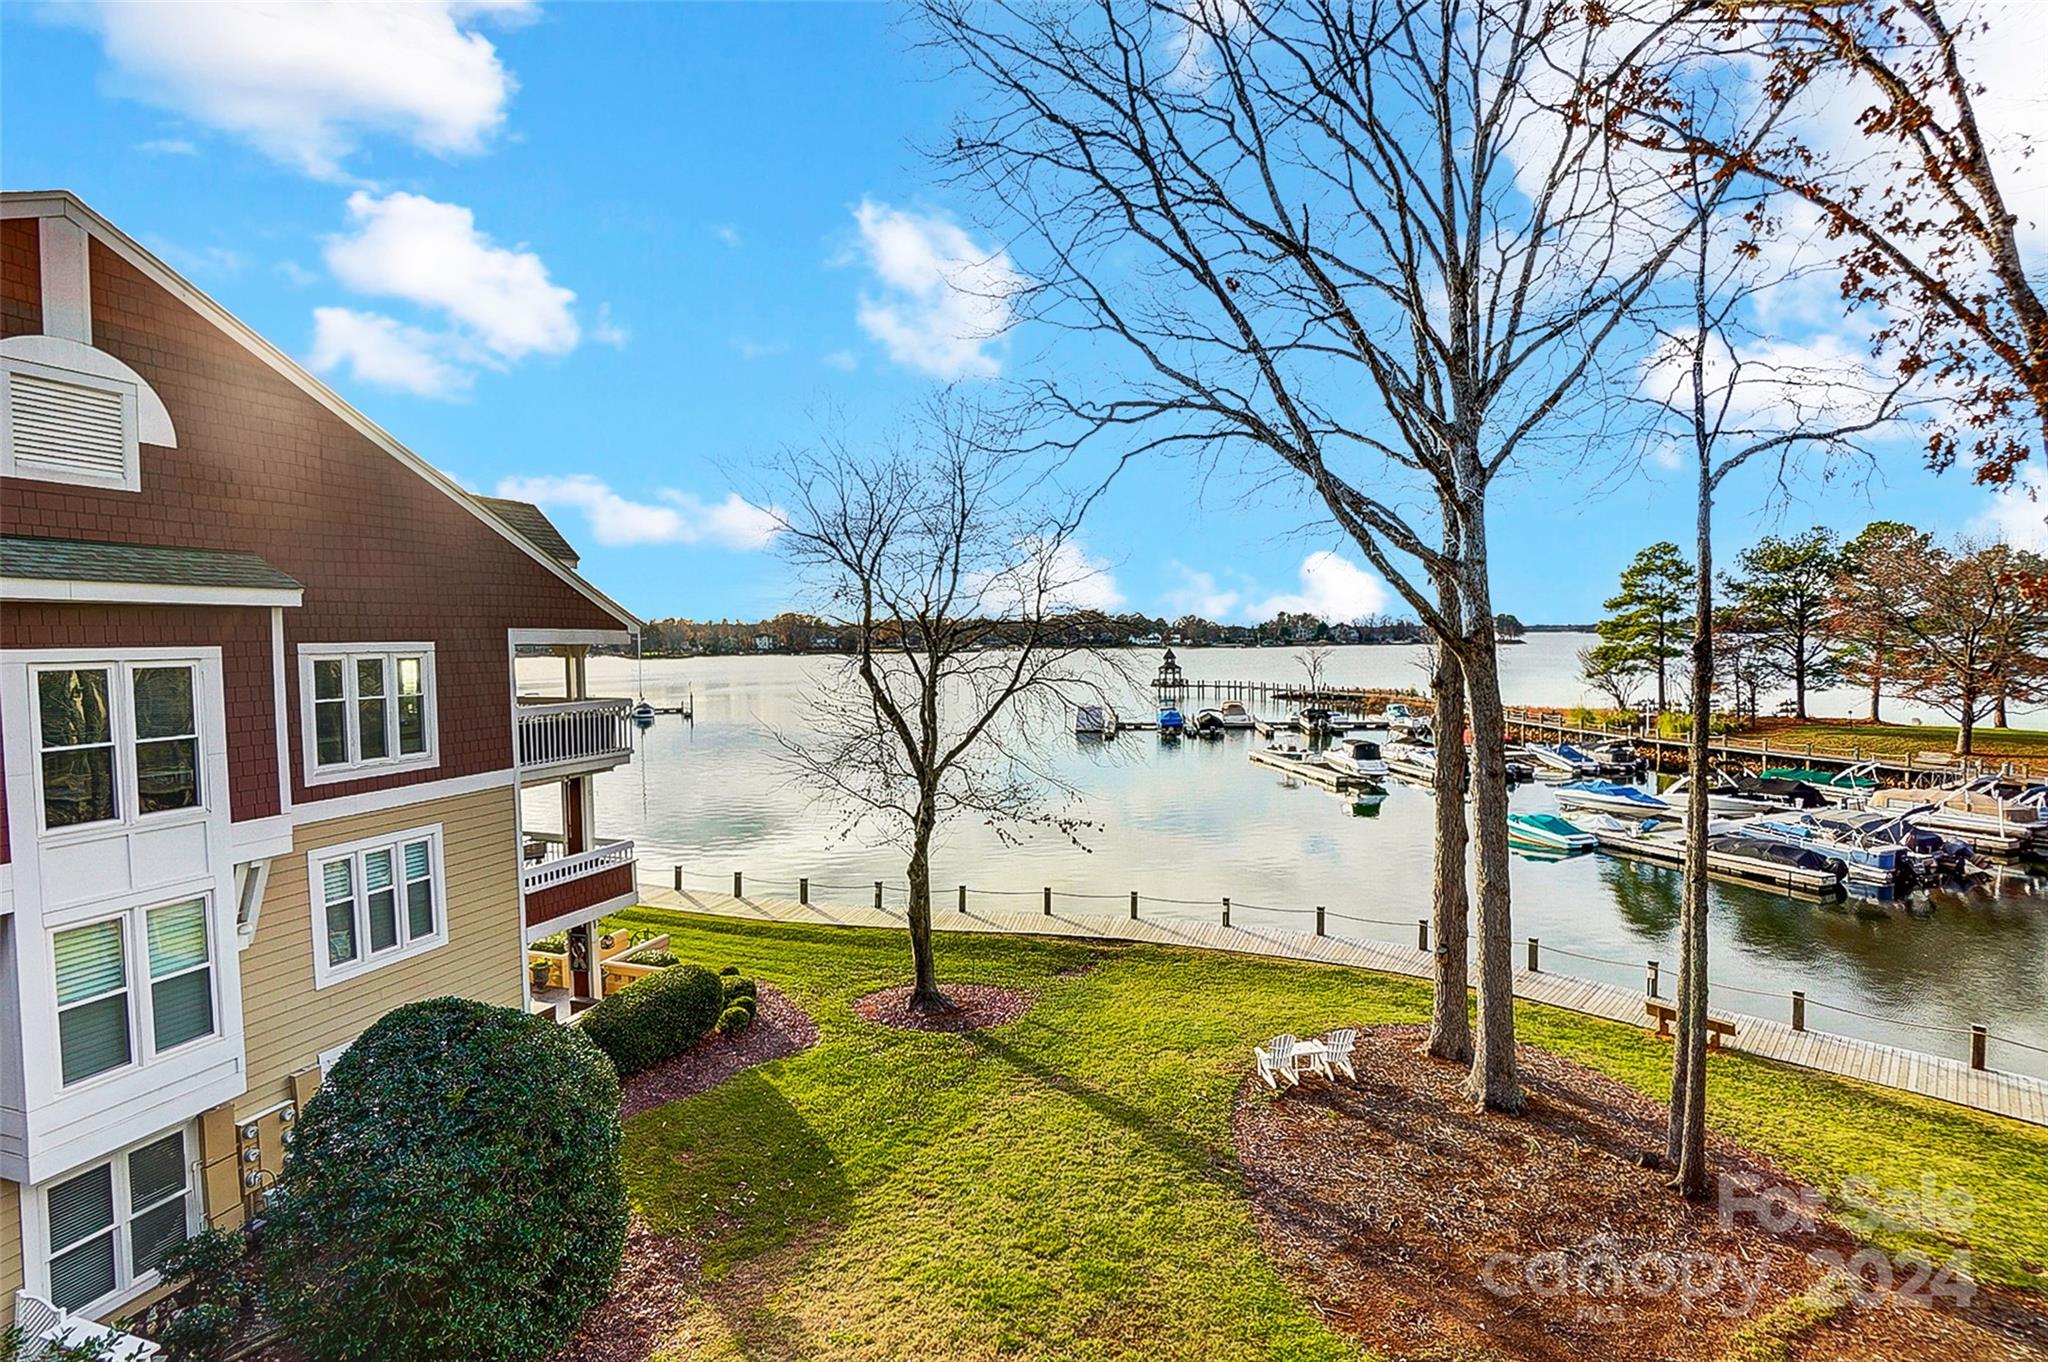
612,255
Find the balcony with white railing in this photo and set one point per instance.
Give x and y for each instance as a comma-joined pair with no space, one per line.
557,887
572,737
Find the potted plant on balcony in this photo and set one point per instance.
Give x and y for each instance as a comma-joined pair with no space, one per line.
541,971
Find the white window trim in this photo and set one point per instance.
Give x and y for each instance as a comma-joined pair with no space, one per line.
35,1214
121,727
139,986
312,773
130,479
326,974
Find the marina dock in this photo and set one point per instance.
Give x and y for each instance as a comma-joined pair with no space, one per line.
2017,1096
1314,772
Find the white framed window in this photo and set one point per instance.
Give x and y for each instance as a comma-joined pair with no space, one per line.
106,1227
376,901
117,742
365,708
66,425
132,986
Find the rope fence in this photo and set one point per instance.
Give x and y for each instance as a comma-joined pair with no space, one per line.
961,895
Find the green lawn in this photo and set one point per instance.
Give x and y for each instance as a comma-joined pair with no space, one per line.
1064,1186
1897,740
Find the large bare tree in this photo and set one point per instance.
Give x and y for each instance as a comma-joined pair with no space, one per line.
1382,243
951,563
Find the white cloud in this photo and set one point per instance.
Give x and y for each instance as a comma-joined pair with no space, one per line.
842,360
676,517
748,348
727,233
385,353
429,253
304,82
1200,594
2019,514
944,297
605,331
1332,588
295,274
1052,575
167,146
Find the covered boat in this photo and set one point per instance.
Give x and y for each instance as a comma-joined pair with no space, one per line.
1607,796
1548,832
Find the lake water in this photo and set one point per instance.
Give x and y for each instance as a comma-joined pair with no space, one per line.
1197,821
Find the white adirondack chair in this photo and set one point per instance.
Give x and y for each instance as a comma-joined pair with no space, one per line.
1337,1047
1276,1061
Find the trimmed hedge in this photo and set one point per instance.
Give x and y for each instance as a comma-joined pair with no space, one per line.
454,1191
650,1019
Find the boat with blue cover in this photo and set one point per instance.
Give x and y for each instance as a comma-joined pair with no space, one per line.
1607,796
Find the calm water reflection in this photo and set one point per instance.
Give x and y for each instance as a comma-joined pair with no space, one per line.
1198,822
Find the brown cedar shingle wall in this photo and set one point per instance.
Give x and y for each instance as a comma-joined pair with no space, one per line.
260,466
241,633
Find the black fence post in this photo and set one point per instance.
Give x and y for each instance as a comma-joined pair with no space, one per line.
803,891
1048,900
679,879
1533,967
1977,1038
963,898
1650,977
878,896
1134,905
1226,912
1422,935
1319,919
736,885
1798,1010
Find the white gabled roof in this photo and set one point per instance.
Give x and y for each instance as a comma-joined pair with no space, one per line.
46,203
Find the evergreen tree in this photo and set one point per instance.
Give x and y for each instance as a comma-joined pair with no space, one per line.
1647,622
1782,592
1860,615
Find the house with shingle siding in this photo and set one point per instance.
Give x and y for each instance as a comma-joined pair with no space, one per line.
263,745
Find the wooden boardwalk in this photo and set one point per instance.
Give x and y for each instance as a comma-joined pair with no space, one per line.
2013,1095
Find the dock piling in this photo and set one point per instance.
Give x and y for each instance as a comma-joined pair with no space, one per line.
736,885
679,879
1134,905
1532,956
1319,919
1977,1038
963,898
1798,1010
878,896
1650,978
803,891
1422,935
1048,900
1226,912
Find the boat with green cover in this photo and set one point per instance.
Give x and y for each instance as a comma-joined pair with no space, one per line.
1547,832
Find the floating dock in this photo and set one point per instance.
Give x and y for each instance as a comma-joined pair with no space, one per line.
1312,771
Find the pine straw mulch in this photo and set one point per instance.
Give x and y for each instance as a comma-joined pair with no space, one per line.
658,1278
780,1029
1392,1204
976,1007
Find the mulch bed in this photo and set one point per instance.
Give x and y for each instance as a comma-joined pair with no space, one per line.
1431,1230
657,1280
976,1008
780,1029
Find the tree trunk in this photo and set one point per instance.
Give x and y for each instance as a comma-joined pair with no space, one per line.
1492,1081
1966,724
1660,666
1799,678
1450,1022
924,994
1686,1138
1998,716
1876,678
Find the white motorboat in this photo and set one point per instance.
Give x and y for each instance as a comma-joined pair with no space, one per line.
1356,756
1561,758
1234,714
1415,760
1606,796
1399,719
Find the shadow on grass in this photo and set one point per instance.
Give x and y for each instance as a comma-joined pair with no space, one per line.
1199,1157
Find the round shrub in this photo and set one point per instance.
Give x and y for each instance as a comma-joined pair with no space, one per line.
729,971
734,1020
738,988
650,1019
454,1191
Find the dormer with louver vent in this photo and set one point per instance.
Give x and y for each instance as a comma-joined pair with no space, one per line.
70,413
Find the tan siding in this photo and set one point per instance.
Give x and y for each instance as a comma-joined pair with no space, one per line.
10,1249
288,1023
